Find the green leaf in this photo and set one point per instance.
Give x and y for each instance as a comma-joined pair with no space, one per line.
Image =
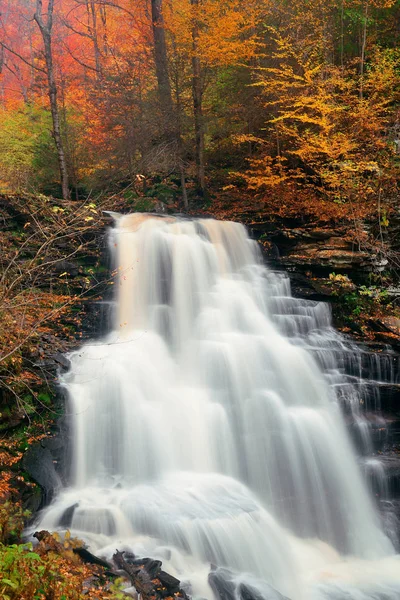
9,583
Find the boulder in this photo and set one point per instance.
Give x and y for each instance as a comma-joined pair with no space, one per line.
38,462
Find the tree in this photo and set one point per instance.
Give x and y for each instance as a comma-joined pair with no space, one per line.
197,90
318,134
153,89
45,25
170,122
161,62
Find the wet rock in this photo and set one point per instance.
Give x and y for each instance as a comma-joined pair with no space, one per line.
391,466
147,577
67,516
222,585
170,582
61,360
130,558
246,592
90,558
383,431
389,397
38,462
153,568
390,514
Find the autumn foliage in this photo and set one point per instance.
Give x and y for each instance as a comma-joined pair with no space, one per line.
301,95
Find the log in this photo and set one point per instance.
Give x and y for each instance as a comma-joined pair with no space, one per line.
148,579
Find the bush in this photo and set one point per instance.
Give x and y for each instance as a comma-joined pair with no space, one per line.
52,571
27,153
26,574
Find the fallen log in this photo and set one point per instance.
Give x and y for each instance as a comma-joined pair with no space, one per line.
148,579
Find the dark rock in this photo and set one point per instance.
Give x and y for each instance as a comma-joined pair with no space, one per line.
64,266
246,592
225,588
129,557
66,518
32,499
90,558
171,583
391,466
221,584
145,578
61,360
390,514
389,397
153,568
383,431
38,462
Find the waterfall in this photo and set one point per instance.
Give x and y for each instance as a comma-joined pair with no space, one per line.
208,425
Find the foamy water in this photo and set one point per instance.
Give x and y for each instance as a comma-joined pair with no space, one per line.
207,428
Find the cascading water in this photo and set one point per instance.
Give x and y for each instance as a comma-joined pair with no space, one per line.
207,426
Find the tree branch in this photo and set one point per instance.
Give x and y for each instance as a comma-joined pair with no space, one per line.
85,66
3,45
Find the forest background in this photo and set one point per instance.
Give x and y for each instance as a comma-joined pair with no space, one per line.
184,99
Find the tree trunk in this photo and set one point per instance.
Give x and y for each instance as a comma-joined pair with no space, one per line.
197,90
342,36
161,60
363,46
46,29
93,31
170,119
183,187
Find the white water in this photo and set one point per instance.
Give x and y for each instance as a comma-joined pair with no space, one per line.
205,431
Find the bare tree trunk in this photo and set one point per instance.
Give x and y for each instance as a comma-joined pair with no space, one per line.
170,119
183,187
342,36
93,32
197,91
363,46
161,60
45,27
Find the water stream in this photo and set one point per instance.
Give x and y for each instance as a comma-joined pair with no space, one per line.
209,428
